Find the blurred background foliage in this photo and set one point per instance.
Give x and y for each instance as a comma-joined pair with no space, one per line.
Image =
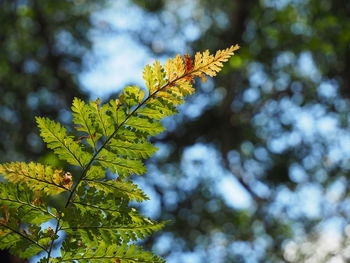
256,166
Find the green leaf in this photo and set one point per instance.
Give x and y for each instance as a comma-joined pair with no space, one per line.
159,74
90,201
104,122
132,95
170,98
154,77
145,125
95,172
24,244
116,234
116,112
132,150
157,110
82,116
8,238
63,145
119,188
24,204
124,167
37,177
110,253
149,79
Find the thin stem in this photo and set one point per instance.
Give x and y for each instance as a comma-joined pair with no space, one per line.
24,236
53,239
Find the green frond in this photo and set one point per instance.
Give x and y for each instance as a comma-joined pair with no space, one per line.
170,97
123,167
154,77
132,95
8,238
145,126
116,112
119,188
95,209
114,234
109,253
96,172
26,206
126,134
159,74
157,109
24,243
148,78
82,116
63,145
18,246
131,149
103,122
37,177
106,208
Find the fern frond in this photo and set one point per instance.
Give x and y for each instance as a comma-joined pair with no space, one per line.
82,116
174,68
132,150
99,222
150,128
123,167
210,64
95,209
18,245
110,253
28,207
23,243
8,238
110,202
132,95
149,79
117,113
157,110
154,77
63,145
169,97
96,172
37,177
114,234
119,188
128,135
103,122
182,88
